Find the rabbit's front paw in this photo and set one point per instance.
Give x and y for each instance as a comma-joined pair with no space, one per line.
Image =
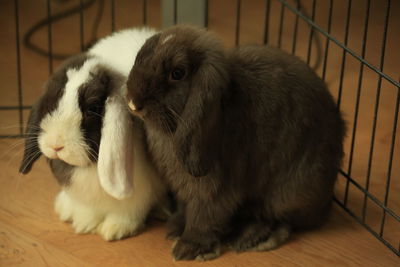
63,207
191,250
116,227
175,226
84,220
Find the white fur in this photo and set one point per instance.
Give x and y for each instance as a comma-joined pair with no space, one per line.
115,160
119,50
92,210
84,201
61,128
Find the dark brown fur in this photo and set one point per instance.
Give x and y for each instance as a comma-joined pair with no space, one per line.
250,140
92,98
61,171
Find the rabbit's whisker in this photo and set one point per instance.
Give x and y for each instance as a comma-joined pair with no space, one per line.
32,157
178,117
14,145
96,114
17,126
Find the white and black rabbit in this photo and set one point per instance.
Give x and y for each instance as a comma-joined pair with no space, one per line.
95,150
249,139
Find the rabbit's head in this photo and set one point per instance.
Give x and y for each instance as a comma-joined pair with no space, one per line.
81,119
175,86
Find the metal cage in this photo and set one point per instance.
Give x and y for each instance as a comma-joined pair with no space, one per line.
352,45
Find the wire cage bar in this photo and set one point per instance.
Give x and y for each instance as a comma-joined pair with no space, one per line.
310,29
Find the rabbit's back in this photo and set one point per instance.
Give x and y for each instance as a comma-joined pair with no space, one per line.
285,132
281,99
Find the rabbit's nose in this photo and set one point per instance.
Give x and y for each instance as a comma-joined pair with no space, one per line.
58,148
133,107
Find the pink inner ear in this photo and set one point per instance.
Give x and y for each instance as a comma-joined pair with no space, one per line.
115,163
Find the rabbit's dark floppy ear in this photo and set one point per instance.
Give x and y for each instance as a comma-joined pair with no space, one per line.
197,141
31,151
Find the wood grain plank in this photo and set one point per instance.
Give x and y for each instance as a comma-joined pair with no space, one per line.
22,249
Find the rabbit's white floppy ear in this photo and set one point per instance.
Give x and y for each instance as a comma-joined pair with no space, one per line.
116,152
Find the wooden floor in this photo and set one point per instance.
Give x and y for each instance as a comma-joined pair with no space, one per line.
32,235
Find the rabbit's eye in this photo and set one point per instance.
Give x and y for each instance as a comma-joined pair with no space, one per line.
177,74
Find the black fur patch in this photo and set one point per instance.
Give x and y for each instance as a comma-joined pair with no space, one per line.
47,103
92,98
62,171
56,84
